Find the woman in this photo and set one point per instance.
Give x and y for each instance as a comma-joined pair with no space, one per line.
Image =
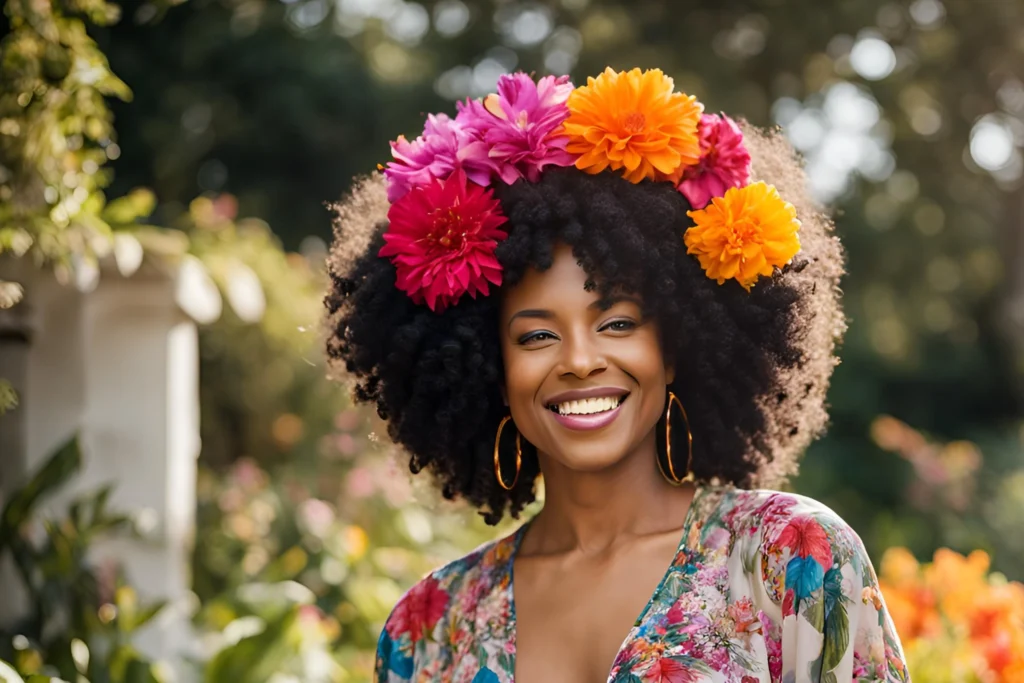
596,285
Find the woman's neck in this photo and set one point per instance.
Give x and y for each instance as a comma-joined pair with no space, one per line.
591,512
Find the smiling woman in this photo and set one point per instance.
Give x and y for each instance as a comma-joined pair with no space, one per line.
598,285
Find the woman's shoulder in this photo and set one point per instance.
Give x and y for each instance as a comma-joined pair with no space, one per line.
800,541
767,513
425,610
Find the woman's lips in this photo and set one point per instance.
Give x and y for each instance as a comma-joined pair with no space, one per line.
586,422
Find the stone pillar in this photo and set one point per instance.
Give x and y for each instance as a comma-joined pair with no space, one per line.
119,366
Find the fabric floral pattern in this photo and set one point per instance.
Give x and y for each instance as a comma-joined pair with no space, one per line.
766,587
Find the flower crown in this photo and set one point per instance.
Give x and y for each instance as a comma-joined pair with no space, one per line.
445,224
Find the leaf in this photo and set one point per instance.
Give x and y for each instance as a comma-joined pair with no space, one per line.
10,294
257,657
485,675
137,204
55,473
837,637
804,575
815,614
8,674
196,292
8,397
833,584
244,292
128,253
147,613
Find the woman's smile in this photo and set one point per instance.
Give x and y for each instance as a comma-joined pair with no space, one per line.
594,412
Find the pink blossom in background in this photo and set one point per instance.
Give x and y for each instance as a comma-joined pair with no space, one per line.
360,483
724,161
520,126
444,146
316,516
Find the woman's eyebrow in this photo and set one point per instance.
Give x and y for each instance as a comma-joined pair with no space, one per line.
607,302
540,313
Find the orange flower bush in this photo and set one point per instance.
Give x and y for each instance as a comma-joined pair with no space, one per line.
957,621
745,234
633,120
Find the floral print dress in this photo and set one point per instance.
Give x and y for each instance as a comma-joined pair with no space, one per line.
766,587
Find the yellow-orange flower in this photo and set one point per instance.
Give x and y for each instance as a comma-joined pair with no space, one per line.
632,120
957,621
745,234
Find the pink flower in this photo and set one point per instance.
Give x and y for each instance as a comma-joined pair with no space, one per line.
668,670
742,614
724,161
718,539
772,644
521,126
675,614
443,147
805,537
442,238
419,611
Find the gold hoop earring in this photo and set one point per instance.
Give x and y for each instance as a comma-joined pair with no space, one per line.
519,455
671,476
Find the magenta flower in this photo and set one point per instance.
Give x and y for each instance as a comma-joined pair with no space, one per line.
442,238
443,147
724,161
521,126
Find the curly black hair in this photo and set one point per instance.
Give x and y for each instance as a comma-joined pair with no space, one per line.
752,369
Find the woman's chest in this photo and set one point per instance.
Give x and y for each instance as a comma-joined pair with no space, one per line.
572,621
700,625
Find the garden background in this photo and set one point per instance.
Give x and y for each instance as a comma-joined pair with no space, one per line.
214,132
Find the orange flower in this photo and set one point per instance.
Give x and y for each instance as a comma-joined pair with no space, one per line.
953,616
632,120
747,233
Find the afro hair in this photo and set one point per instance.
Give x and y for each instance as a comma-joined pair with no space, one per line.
752,369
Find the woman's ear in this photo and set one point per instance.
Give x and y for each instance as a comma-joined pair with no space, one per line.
670,373
504,394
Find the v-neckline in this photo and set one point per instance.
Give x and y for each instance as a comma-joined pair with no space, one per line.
513,630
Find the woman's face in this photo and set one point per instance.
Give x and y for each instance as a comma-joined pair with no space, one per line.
585,384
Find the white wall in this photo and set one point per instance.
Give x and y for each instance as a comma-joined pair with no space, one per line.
119,366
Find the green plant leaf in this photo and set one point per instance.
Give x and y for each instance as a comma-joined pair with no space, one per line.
815,613
257,657
56,472
837,637
8,397
8,674
137,204
10,293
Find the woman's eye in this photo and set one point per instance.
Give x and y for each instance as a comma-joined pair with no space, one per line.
620,325
536,337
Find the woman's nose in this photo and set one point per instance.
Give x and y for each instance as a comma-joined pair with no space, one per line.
582,356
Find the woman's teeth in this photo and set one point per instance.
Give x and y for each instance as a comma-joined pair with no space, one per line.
588,406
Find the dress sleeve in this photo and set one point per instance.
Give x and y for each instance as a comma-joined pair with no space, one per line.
394,664
835,625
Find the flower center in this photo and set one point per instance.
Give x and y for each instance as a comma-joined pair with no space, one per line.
634,122
745,231
448,228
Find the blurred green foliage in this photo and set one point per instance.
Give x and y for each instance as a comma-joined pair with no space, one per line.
81,618
267,109
280,104
56,133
